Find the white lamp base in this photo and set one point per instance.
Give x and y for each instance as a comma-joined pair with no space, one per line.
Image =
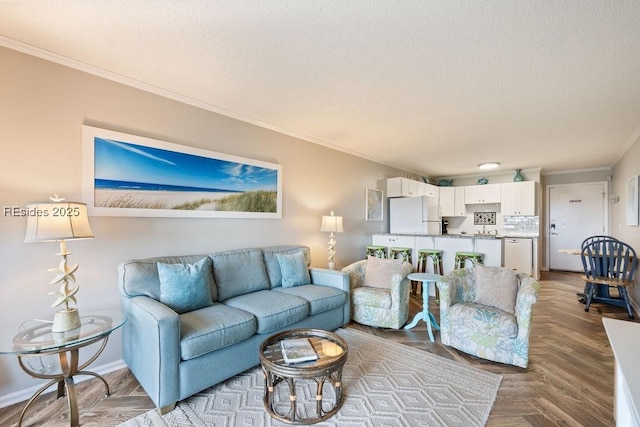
66,320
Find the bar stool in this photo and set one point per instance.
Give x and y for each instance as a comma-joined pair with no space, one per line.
462,257
436,257
376,251
405,253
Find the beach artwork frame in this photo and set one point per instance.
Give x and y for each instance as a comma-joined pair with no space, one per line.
374,204
129,175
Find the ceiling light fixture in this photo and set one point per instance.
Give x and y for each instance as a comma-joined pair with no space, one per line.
488,165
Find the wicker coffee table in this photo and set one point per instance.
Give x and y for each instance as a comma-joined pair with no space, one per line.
326,369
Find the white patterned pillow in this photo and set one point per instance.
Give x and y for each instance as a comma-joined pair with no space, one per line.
496,287
380,272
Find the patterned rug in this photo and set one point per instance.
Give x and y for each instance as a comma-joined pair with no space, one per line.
385,383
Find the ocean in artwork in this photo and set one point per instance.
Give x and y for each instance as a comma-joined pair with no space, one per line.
141,177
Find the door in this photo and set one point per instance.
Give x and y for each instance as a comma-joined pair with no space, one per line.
576,212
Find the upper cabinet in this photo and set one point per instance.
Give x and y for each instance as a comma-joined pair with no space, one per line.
518,198
452,201
477,194
402,187
405,187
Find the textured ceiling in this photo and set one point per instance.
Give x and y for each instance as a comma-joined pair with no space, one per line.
429,87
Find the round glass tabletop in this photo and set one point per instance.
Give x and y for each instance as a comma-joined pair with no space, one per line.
35,336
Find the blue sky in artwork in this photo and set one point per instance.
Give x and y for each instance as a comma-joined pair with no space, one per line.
121,161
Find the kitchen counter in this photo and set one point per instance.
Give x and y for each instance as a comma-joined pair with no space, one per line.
453,236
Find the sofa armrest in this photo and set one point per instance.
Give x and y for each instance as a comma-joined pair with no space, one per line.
527,296
457,287
151,347
356,273
334,279
401,286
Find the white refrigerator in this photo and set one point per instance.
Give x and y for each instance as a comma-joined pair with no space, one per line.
420,215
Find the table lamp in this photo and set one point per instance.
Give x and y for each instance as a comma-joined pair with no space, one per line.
331,224
59,221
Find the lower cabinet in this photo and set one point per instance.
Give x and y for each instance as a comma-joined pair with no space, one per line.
449,246
491,251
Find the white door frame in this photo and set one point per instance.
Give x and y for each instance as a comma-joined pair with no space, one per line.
547,233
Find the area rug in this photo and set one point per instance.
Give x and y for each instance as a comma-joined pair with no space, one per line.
385,383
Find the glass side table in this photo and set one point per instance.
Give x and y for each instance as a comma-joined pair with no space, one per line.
33,338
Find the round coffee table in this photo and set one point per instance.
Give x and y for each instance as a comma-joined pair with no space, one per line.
331,351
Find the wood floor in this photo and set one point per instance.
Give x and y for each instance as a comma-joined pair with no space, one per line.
569,381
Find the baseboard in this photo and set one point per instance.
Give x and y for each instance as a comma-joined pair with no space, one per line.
23,395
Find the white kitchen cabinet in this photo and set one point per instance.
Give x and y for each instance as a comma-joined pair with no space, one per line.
404,187
429,190
491,250
478,194
518,198
452,201
449,247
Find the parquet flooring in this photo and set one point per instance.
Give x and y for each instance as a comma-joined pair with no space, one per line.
569,381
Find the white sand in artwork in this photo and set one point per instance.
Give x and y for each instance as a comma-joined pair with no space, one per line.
149,199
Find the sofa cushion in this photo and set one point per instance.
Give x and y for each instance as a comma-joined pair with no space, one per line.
496,287
272,310
185,287
320,298
372,297
208,329
140,277
379,272
482,319
294,269
273,266
239,272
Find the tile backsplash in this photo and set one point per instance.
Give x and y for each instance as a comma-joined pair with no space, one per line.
521,225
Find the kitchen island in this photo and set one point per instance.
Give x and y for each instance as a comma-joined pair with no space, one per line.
489,245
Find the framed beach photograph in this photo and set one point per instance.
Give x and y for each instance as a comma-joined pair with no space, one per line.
128,175
374,204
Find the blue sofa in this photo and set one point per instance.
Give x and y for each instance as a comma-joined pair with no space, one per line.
175,355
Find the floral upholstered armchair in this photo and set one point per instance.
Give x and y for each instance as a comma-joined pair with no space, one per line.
380,292
486,312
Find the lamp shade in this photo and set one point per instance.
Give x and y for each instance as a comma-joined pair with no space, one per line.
331,224
55,221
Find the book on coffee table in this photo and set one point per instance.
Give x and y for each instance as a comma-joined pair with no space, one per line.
297,350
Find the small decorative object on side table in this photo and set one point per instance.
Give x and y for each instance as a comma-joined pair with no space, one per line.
331,352
36,339
425,314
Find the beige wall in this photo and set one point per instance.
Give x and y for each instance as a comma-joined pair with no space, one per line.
627,167
42,108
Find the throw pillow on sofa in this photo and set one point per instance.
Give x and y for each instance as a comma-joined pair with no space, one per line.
185,287
294,269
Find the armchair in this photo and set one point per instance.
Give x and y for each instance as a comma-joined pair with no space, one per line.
493,322
386,303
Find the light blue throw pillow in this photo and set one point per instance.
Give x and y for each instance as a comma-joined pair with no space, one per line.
185,287
294,269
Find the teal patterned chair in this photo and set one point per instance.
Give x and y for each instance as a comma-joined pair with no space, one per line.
380,292
486,312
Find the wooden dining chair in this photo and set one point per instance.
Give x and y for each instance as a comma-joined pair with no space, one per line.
601,291
610,263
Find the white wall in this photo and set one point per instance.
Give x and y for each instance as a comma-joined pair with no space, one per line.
42,108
